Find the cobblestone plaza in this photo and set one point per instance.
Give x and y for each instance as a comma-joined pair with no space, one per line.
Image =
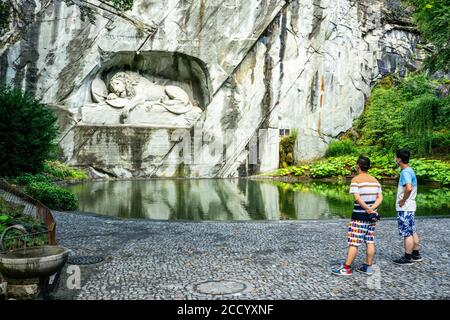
245,260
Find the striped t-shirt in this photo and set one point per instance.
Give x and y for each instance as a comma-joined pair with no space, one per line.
368,188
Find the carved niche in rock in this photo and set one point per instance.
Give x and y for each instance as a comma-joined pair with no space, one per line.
131,98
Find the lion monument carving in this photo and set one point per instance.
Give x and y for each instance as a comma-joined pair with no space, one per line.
127,89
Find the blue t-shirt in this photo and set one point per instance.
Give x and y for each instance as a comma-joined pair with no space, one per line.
407,175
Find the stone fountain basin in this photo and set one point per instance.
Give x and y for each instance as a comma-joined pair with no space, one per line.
33,262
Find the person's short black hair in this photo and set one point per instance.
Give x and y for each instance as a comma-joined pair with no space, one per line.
364,163
404,155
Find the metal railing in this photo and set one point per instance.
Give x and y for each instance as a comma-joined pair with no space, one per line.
41,212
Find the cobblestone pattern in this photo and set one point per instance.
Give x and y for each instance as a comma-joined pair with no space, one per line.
275,260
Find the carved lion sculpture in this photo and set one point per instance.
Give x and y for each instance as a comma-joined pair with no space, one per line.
128,89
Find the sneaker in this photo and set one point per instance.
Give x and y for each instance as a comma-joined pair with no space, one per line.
366,269
416,258
403,261
341,271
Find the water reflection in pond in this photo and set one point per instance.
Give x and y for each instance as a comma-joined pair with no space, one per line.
237,199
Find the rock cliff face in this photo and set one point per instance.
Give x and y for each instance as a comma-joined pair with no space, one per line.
250,67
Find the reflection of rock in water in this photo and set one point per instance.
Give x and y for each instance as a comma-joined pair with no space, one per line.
159,199
232,199
226,200
180,199
310,206
198,200
270,199
203,195
212,200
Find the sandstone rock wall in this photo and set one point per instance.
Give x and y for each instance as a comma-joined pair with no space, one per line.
266,65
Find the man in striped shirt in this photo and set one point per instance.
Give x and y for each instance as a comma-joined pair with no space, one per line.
367,192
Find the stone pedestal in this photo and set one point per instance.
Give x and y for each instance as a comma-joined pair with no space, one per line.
26,289
2,288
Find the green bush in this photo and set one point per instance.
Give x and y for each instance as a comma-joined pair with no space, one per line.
52,196
335,168
382,166
295,170
283,172
435,170
4,222
416,85
441,141
300,171
27,131
61,171
53,171
41,186
385,161
340,148
27,179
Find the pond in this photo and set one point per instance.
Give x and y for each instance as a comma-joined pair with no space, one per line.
238,199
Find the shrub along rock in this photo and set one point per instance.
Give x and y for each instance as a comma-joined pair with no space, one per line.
53,196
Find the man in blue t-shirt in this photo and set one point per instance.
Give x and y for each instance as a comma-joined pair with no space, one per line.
406,208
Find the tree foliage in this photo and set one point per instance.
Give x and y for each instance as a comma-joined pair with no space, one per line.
382,122
4,15
410,115
433,19
419,122
27,131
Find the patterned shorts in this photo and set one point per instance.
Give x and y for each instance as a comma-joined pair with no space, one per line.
406,224
360,231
